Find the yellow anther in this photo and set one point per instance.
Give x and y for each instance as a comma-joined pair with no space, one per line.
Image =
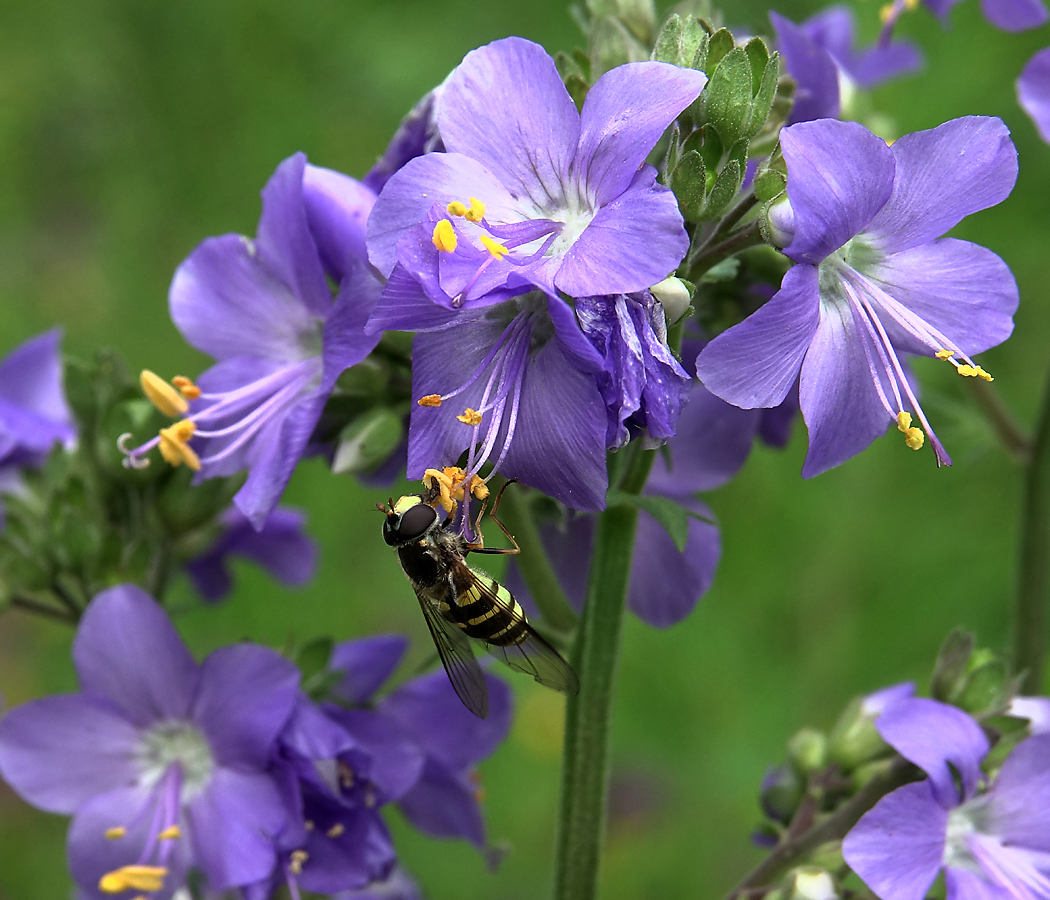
430,400
444,237
308,825
186,387
444,482
974,372
944,354
494,247
477,210
479,488
913,437
174,445
336,830
470,417
162,395
346,774
456,208
115,833
296,859
886,13
911,5
133,878
171,833
479,787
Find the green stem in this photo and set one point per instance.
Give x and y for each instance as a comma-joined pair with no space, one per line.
1007,429
748,236
1030,619
534,564
792,852
27,604
581,825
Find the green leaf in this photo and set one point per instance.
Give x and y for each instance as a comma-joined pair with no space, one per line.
689,183
728,96
724,190
758,56
313,656
764,96
671,515
726,270
368,440
950,668
720,44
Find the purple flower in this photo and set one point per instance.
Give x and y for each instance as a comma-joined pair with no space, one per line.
1035,709
1009,15
263,308
833,29
994,844
641,382
398,885
444,801
417,134
160,761
1033,92
872,281
34,415
282,547
531,192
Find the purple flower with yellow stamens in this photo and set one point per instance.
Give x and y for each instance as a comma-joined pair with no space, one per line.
532,192
991,844
161,762
872,280
281,546
263,308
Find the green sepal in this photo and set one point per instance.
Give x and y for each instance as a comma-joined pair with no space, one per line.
313,657
758,56
765,94
986,688
638,15
724,189
769,184
612,44
808,750
368,440
682,42
952,663
728,95
577,88
674,152
719,46
689,183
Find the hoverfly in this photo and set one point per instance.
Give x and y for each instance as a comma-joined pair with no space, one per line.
459,602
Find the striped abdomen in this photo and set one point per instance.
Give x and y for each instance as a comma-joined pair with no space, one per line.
486,610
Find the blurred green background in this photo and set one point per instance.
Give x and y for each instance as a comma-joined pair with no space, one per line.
130,130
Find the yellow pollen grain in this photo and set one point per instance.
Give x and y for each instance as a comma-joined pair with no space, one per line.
430,400
470,417
175,448
479,488
336,830
296,860
444,236
115,833
133,878
477,210
444,483
456,208
162,395
171,833
974,372
944,354
186,387
494,247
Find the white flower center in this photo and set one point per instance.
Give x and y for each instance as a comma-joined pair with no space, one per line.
175,741
957,851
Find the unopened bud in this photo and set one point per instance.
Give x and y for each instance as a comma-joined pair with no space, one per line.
674,297
781,792
808,750
780,218
809,883
854,740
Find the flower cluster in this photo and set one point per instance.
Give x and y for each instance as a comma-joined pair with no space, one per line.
228,769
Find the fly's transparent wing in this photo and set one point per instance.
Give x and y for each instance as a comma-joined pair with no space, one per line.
531,654
457,657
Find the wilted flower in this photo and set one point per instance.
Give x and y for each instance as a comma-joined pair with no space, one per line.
872,281
990,844
282,547
160,761
263,308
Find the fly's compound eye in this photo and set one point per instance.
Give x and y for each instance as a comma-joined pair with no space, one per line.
410,525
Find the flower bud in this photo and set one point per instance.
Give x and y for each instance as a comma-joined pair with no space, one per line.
781,792
808,750
674,296
780,222
809,883
854,740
